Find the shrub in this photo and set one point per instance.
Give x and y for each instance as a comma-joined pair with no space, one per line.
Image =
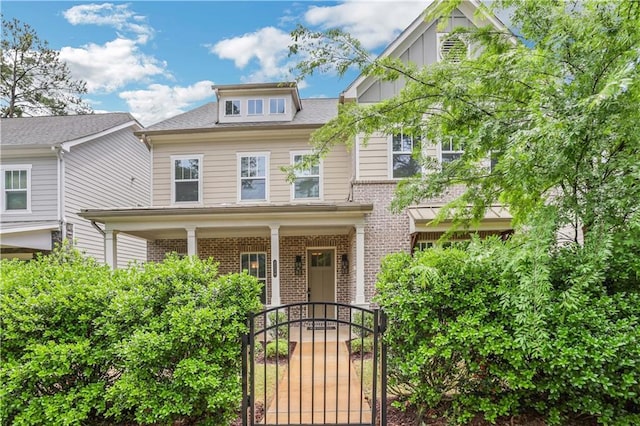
454,333
280,332
278,348
361,345
362,321
149,344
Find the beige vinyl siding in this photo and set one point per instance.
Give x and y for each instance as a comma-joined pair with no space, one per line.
374,159
423,51
44,189
220,165
109,172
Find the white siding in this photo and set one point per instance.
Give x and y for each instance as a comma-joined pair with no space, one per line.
44,189
109,172
220,167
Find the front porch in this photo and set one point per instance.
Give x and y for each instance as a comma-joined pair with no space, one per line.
280,245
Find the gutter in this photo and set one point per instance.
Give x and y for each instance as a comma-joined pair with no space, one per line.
62,220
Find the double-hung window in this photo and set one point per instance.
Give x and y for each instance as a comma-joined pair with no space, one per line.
253,176
254,107
16,188
256,265
186,179
403,149
232,107
451,150
276,106
308,180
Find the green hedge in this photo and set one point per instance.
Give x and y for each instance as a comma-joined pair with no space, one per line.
455,338
153,343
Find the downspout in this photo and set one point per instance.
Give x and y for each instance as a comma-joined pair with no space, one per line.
61,217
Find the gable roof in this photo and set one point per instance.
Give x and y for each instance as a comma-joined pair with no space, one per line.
56,130
416,28
315,113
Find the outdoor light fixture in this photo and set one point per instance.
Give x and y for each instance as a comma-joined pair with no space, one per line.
345,264
298,265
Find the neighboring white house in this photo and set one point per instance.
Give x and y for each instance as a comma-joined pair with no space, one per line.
53,167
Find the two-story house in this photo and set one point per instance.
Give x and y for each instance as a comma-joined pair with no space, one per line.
52,167
218,189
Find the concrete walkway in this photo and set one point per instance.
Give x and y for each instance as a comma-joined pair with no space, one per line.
321,386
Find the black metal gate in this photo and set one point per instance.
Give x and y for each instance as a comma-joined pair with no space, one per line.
315,363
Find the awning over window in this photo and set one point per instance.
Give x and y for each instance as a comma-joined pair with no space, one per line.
422,217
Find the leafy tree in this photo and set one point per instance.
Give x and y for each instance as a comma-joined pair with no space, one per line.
33,80
556,110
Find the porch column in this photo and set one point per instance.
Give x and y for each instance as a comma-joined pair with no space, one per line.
275,265
192,244
111,248
360,265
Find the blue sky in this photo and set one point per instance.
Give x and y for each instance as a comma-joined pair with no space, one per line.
157,59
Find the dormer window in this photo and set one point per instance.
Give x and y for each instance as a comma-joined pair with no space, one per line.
452,48
232,107
276,106
254,107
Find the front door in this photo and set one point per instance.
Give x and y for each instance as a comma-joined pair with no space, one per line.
322,281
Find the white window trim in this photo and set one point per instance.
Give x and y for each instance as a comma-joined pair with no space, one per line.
441,150
249,110
199,157
239,157
439,38
293,155
16,167
225,107
278,113
266,269
390,153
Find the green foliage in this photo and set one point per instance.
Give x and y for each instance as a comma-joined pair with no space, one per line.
279,332
149,344
278,348
362,321
361,345
34,80
454,335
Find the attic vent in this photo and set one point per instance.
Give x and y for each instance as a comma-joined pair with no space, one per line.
452,48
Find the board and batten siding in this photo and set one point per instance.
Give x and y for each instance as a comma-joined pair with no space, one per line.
423,51
109,172
220,167
44,189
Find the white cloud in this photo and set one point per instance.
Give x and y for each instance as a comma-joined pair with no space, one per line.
118,16
112,65
374,23
158,102
268,46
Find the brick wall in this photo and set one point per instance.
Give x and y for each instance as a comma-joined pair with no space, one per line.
293,288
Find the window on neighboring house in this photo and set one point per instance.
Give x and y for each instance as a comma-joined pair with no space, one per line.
256,265
452,47
232,107
451,150
495,157
187,179
254,107
307,182
253,177
402,154
16,188
276,106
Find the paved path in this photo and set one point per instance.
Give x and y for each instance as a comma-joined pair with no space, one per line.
319,390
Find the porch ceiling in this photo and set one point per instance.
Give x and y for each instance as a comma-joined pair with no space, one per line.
230,221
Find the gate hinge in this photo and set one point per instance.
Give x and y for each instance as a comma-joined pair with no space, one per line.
248,401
